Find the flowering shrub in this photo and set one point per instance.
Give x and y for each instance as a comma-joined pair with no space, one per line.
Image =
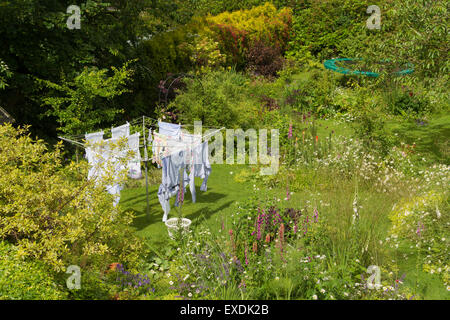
131,285
239,30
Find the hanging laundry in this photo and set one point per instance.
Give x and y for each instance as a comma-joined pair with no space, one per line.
169,129
134,165
93,141
206,169
171,166
164,146
150,137
191,142
104,160
159,143
121,132
200,168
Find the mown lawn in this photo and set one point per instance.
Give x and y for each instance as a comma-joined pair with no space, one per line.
211,206
332,198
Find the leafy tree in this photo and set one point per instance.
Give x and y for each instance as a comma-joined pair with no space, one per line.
411,31
321,26
36,43
82,106
4,74
51,212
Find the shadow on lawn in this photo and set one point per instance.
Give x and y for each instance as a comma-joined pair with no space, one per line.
137,205
206,212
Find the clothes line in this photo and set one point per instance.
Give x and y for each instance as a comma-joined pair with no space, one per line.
141,139
134,122
192,145
78,139
72,141
182,125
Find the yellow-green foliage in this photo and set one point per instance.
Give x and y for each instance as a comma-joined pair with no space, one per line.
206,55
406,216
239,30
425,220
261,23
24,279
53,213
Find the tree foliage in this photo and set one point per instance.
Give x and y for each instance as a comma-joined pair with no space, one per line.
415,32
38,44
86,101
52,213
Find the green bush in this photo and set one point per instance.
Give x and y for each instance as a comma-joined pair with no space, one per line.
165,53
411,31
320,28
238,31
218,99
25,279
370,127
205,54
53,213
407,103
312,92
83,104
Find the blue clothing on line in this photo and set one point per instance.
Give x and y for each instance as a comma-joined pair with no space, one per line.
199,168
169,187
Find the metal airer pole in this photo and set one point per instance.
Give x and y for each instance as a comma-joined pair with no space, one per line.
146,166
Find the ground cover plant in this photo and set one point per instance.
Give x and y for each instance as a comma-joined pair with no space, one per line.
358,209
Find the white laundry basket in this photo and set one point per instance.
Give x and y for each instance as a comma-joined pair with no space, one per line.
173,224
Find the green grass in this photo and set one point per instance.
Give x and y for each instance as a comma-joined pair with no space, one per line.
423,284
431,139
332,196
211,206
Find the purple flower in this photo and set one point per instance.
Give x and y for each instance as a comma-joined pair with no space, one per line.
290,131
260,220
242,284
419,229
